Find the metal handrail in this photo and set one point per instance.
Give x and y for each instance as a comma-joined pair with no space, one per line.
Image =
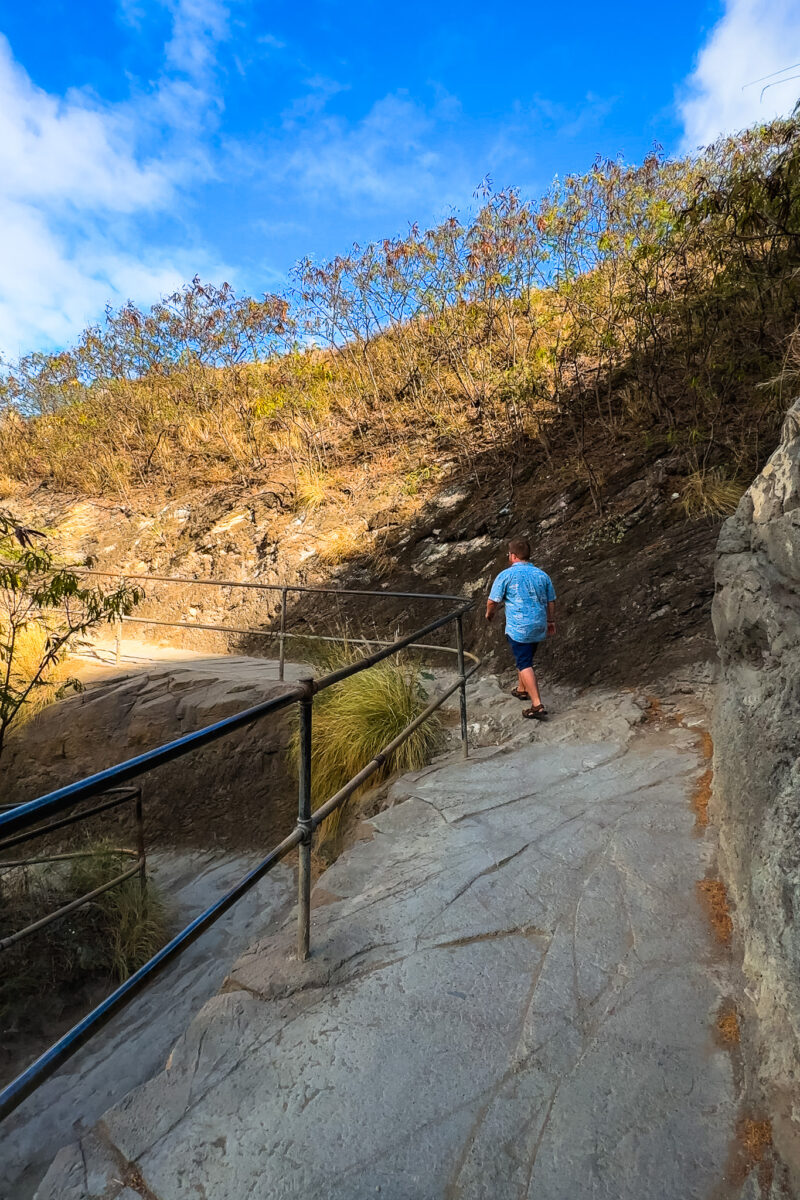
285,590
128,794
269,587
57,801
50,805
120,796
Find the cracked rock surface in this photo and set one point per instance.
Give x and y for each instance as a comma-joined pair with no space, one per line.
512,992
135,1042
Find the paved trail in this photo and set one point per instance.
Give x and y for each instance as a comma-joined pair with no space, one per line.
513,993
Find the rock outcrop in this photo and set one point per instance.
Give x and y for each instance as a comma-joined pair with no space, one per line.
756,614
235,792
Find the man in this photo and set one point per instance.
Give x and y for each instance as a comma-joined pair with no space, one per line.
529,597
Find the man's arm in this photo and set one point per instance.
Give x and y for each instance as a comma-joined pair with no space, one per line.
551,618
496,596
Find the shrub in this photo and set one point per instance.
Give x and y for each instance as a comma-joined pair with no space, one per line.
42,606
355,719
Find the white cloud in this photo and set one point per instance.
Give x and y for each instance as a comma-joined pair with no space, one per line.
76,176
391,157
198,25
49,291
68,150
320,91
754,38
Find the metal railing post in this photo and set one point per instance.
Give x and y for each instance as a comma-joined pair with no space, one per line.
462,691
282,638
304,824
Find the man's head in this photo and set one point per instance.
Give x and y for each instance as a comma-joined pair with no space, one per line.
519,550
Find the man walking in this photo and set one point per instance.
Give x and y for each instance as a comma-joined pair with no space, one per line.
529,597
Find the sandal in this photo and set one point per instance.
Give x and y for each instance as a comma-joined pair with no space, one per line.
518,695
539,713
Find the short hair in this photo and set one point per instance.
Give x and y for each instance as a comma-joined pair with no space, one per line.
520,548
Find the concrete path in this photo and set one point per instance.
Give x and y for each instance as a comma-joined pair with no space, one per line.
513,993
136,1042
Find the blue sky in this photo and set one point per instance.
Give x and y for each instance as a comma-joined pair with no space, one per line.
144,141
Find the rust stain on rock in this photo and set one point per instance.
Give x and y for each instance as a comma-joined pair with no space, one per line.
706,745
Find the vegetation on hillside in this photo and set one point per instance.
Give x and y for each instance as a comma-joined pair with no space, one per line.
630,303
43,604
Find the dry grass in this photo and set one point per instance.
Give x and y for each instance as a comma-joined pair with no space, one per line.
701,797
344,544
355,719
313,490
711,493
105,940
714,898
30,646
381,559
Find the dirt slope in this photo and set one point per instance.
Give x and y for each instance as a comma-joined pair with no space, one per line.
634,581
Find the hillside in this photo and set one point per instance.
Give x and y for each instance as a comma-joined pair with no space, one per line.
603,370
634,582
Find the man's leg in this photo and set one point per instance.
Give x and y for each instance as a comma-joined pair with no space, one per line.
527,683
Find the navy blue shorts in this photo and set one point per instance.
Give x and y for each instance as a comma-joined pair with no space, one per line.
523,653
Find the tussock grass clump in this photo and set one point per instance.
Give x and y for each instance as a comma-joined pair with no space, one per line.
312,491
102,942
130,923
711,493
355,719
344,544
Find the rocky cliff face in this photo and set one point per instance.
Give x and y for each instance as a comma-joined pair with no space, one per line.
756,615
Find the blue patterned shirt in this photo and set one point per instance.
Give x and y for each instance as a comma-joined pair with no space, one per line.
526,591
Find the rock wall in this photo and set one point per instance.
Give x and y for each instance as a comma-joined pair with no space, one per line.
756,616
